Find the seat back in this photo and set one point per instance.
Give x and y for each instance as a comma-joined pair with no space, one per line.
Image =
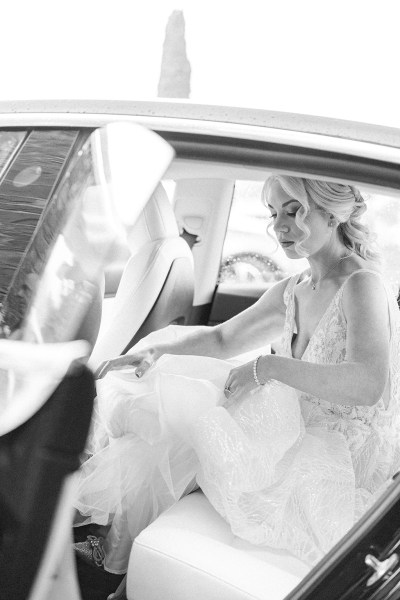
157,284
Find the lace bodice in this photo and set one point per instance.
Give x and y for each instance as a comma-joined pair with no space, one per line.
372,432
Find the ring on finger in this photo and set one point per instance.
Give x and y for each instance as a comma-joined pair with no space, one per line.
146,364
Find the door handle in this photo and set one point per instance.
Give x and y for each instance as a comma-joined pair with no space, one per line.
381,568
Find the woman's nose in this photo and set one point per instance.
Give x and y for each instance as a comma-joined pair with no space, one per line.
281,226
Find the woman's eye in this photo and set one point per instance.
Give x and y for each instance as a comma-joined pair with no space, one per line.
272,216
292,214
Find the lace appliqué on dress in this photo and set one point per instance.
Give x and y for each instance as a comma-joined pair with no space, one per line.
371,432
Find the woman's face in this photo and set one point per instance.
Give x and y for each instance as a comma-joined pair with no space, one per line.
283,209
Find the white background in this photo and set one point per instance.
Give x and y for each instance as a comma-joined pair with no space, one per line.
325,57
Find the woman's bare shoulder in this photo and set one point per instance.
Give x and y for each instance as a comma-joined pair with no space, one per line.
363,279
362,288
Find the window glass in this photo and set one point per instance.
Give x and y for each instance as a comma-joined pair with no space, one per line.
9,141
57,250
383,218
26,185
253,258
37,166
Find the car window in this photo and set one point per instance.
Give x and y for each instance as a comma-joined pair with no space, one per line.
9,142
251,257
31,164
383,218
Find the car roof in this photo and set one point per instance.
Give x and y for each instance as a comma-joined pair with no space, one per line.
231,138
181,110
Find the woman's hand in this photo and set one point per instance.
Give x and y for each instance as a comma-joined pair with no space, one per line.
141,360
240,381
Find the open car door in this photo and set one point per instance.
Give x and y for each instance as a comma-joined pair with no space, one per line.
47,391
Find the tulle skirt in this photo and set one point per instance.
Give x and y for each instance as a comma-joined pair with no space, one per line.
275,481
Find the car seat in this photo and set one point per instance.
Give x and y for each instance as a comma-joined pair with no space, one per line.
194,554
157,284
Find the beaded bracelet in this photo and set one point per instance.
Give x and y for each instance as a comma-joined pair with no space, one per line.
255,363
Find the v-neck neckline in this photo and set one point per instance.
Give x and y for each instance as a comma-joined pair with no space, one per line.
328,308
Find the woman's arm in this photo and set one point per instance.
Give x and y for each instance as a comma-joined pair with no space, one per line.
256,326
362,377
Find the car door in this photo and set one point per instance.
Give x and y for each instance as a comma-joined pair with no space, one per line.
40,449
63,201
365,564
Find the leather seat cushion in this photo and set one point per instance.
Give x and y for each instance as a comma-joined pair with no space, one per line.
190,552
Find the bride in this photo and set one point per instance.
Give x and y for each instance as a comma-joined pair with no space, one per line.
290,448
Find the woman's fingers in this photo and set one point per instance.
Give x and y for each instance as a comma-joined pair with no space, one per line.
115,364
239,381
101,370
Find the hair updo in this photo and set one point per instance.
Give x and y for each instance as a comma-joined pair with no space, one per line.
344,202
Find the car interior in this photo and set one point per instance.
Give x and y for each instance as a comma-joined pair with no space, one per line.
183,545
165,272
156,285
191,545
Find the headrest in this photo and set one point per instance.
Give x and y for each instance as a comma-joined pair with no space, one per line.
156,222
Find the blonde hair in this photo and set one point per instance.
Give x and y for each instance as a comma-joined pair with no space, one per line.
344,202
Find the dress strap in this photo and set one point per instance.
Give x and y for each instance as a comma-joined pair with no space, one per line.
287,294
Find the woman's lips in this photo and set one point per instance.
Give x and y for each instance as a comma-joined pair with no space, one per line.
287,244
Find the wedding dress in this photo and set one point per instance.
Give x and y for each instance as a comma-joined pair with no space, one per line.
284,468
